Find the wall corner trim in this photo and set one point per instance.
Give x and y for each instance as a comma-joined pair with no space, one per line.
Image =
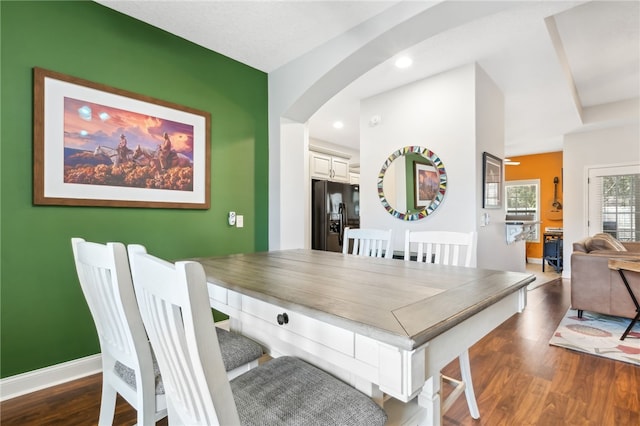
31,381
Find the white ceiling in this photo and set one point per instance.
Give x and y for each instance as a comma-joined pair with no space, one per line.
554,60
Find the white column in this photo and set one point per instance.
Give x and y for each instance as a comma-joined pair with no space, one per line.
295,203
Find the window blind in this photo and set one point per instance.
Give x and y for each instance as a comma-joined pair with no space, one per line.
615,205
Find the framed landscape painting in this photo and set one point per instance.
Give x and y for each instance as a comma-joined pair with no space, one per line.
96,145
491,181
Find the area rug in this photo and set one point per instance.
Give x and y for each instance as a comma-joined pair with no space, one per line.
598,334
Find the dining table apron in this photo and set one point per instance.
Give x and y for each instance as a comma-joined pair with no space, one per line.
386,326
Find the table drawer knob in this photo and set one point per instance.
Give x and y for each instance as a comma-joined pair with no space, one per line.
283,318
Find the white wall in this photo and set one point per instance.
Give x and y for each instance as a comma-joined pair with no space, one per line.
612,146
493,251
436,113
457,115
299,88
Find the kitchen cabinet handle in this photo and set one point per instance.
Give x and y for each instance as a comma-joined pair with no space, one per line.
283,318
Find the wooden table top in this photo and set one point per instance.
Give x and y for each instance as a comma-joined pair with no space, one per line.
401,303
625,264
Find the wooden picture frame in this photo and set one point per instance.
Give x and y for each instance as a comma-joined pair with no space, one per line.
491,181
95,145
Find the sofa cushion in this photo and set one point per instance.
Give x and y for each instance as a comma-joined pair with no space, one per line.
604,242
581,246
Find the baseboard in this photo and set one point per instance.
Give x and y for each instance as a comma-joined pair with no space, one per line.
536,260
31,381
21,384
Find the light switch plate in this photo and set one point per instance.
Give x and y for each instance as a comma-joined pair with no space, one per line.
239,221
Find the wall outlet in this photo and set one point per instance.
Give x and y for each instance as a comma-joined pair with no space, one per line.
232,218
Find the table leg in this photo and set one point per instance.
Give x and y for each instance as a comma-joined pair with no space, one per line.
635,302
522,299
429,399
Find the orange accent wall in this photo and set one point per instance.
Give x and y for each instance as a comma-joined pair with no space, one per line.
544,167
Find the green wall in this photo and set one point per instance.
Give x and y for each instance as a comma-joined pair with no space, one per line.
44,318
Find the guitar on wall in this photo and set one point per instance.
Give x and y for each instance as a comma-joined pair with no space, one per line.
556,207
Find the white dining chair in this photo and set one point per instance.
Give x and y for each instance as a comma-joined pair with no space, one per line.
368,242
174,305
456,249
441,247
128,364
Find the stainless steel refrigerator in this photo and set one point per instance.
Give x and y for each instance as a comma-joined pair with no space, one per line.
335,206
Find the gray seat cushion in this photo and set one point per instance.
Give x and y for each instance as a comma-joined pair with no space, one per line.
288,391
129,376
236,350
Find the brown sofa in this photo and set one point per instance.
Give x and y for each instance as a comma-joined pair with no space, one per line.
595,287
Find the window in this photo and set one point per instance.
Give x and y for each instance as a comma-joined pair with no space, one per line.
523,199
614,202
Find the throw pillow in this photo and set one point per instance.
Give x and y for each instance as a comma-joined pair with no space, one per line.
604,242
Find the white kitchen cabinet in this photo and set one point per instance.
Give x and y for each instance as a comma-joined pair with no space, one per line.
329,167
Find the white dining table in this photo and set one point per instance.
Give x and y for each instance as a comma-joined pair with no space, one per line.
385,326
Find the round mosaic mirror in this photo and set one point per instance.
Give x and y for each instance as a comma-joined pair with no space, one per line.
412,183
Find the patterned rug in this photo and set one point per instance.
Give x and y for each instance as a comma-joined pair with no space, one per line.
598,334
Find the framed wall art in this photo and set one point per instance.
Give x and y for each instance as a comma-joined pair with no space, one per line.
426,183
491,181
96,145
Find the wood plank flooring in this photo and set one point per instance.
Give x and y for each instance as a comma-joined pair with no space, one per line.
518,378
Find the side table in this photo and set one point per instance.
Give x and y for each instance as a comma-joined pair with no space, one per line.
622,265
552,250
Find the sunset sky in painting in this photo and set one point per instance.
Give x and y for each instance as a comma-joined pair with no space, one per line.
88,125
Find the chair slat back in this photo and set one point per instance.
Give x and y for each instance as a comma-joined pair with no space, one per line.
173,302
103,272
441,247
368,242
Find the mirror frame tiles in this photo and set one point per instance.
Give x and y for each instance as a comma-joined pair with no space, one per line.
442,189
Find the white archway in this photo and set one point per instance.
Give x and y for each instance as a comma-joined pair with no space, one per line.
298,89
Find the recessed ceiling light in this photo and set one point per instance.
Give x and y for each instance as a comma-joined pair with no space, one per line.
338,125
404,62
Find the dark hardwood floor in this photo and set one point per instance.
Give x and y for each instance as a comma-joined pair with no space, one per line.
518,377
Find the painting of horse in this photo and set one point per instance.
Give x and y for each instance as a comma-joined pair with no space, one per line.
97,127
174,159
112,154
105,151
146,156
